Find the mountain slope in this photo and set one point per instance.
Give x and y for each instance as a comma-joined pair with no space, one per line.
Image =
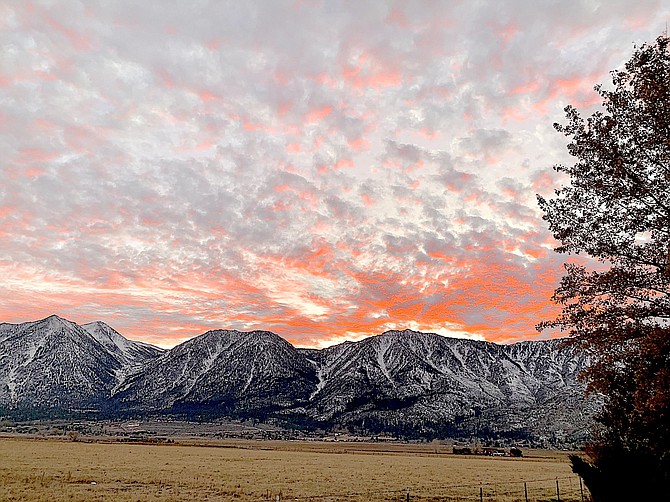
226,369
129,353
404,382
53,363
407,379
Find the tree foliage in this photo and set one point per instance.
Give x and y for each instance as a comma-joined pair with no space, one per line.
616,209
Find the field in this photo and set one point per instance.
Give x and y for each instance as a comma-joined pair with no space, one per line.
51,470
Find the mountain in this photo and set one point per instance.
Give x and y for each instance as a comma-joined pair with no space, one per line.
399,382
129,353
56,364
225,370
53,363
409,380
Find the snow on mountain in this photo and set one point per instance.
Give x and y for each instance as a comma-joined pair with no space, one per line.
225,369
398,381
130,354
53,363
7,329
407,379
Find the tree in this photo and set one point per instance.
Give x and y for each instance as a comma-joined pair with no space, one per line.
616,209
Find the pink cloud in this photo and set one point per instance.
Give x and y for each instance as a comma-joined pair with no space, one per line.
358,144
367,200
79,41
318,114
206,96
329,172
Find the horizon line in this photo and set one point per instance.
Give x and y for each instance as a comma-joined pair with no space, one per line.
474,338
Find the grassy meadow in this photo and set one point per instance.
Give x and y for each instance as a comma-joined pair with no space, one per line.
52,470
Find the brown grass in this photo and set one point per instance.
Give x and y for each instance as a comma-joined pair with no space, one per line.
52,470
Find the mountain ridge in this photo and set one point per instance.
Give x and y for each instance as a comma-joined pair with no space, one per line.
400,381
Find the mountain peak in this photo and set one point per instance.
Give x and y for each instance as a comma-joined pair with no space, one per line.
53,318
394,332
408,333
98,324
125,349
55,322
226,334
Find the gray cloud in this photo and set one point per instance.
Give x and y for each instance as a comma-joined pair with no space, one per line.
297,166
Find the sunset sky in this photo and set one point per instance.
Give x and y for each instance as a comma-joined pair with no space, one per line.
326,170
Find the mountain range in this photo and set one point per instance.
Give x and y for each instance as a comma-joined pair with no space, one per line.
401,382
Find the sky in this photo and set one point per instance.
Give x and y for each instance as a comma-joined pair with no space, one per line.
326,170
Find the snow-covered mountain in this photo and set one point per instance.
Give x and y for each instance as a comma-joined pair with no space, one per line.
129,353
229,370
54,363
399,381
404,380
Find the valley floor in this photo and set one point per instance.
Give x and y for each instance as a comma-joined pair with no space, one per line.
55,469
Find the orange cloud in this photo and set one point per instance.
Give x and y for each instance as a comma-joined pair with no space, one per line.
358,144
367,200
318,114
206,96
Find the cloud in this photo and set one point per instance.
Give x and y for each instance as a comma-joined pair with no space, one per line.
320,170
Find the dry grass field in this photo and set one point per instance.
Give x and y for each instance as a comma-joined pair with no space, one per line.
52,470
